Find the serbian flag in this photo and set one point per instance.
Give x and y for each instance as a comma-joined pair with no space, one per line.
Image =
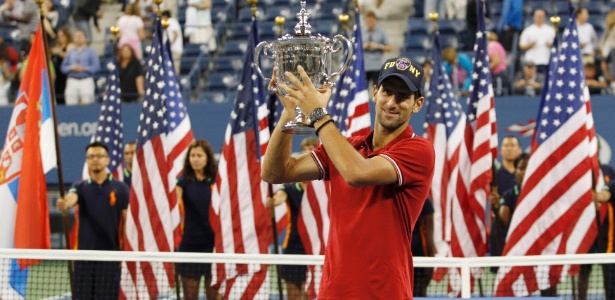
24,212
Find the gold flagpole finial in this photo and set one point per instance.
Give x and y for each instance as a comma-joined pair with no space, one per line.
280,20
344,18
555,20
158,3
434,18
253,6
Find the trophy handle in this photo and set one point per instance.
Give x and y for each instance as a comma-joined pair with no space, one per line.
257,54
340,39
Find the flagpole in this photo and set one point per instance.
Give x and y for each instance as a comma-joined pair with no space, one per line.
165,24
279,20
57,140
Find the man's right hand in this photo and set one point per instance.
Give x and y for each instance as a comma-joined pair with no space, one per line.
495,199
270,202
62,204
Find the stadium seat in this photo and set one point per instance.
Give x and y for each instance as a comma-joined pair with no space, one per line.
326,27
240,31
235,47
420,26
418,42
186,64
269,31
245,14
217,97
595,7
273,12
193,49
221,82
228,64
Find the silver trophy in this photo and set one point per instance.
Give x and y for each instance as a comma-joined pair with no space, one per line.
313,53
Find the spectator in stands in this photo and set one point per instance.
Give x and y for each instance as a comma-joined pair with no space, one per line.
503,206
58,53
595,81
459,69
132,28
536,41
24,63
86,10
606,200
511,22
194,191
472,23
423,245
427,69
505,179
132,82
587,35
606,45
291,194
103,202
174,34
497,63
198,27
24,13
529,82
375,43
6,75
80,65
129,153
51,18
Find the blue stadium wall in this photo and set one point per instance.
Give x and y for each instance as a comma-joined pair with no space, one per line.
78,123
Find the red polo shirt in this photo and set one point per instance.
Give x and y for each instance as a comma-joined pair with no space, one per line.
368,254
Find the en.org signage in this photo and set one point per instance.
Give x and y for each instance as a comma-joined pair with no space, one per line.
75,129
77,124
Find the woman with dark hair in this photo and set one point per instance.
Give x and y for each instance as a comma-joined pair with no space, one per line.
132,83
194,193
58,52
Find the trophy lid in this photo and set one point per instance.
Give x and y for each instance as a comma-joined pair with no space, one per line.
303,27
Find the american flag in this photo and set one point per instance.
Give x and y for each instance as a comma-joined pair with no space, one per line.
349,107
109,132
110,127
241,220
481,142
164,134
555,213
445,123
481,146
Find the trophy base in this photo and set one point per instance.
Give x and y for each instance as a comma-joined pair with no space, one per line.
295,128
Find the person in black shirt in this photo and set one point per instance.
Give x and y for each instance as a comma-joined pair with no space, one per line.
505,176
291,194
129,153
103,202
604,242
504,206
132,83
194,193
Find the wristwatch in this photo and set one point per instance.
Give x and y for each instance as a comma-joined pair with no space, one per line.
317,114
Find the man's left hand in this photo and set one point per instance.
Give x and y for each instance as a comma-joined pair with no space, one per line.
305,95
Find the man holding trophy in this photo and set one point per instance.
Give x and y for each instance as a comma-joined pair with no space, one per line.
379,182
